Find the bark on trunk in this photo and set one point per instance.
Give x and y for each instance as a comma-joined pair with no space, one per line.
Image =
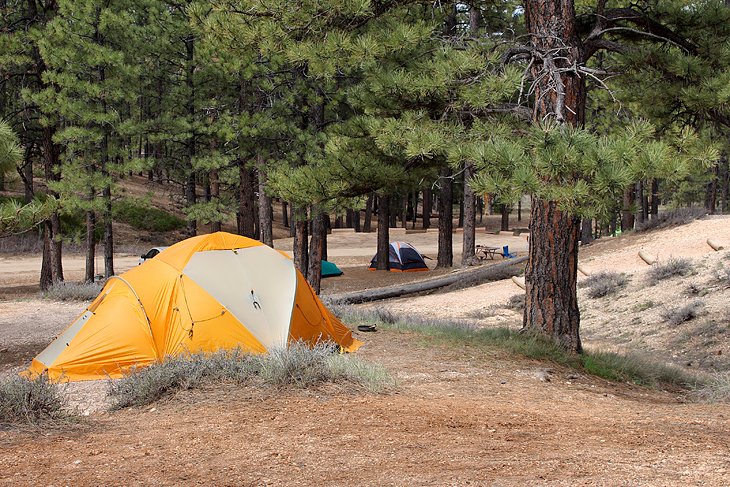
190,195
467,251
427,208
367,225
245,216
551,304
265,223
382,261
215,193
284,213
627,215
51,153
725,178
586,231
108,233
301,244
90,246
655,198
46,279
445,257
316,248
504,222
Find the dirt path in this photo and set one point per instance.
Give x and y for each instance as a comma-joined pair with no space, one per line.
459,417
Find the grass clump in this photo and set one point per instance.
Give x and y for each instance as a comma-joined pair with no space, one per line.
299,365
73,291
716,389
33,402
604,284
671,268
142,216
681,314
516,302
616,367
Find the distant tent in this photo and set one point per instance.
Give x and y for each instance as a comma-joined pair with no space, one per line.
403,258
330,270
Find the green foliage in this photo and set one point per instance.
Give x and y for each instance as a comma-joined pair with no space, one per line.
143,216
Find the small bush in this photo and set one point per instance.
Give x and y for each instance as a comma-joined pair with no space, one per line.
31,401
671,268
143,216
299,365
716,389
604,284
681,314
639,307
73,291
516,302
722,275
672,218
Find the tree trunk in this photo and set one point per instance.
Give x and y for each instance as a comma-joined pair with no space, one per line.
639,196
519,209
108,233
467,250
427,207
90,246
367,225
301,245
348,217
356,220
710,191
445,257
627,216
51,153
284,213
245,216
190,195
551,305
382,260
316,248
46,279
215,193
265,223
586,231
655,198
504,211
725,179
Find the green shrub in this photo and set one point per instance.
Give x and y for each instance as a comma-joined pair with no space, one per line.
299,365
671,268
31,401
604,284
680,314
143,216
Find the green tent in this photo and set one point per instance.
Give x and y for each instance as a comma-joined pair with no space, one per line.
330,270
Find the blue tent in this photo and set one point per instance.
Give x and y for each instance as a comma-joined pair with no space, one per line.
330,270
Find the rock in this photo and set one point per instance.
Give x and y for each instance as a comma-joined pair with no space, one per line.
572,376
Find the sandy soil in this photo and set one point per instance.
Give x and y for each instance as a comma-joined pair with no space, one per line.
459,415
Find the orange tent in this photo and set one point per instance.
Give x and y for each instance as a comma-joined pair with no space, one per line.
211,292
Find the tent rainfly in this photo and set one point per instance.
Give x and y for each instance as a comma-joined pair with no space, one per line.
206,293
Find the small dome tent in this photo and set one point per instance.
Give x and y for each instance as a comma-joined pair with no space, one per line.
403,258
206,293
329,269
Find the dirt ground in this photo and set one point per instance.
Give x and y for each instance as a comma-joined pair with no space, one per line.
458,416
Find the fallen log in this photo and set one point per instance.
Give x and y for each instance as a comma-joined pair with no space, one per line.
481,273
520,281
717,246
646,257
583,270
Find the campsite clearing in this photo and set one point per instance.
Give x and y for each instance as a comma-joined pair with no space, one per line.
461,416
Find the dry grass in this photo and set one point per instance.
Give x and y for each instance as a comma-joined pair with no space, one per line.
671,268
604,284
681,314
34,402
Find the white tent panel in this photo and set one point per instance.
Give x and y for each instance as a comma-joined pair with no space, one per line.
256,285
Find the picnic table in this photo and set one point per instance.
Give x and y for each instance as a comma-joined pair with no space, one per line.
483,252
